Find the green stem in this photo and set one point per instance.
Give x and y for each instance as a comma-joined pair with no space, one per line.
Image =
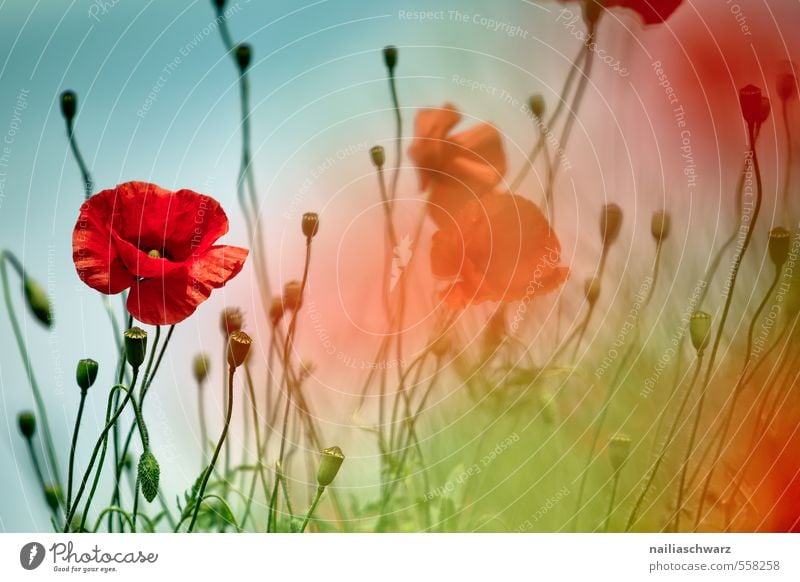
74,445
210,468
611,502
317,497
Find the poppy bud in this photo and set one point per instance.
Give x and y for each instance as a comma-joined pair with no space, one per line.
69,104
230,320
750,101
378,156
38,302
610,223
619,447
332,459
660,225
52,493
700,330
390,57
238,348
547,403
276,311
200,367
127,462
591,289
27,423
441,345
292,300
786,85
310,224
149,475
135,346
779,241
243,55
537,105
86,373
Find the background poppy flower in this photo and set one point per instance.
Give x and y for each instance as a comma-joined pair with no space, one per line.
158,243
455,168
651,11
498,248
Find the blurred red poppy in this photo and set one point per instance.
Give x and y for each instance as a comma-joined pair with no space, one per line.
651,11
498,248
157,243
457,168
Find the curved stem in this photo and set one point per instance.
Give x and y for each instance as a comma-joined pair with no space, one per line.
74,445
210,469
611,502
317,497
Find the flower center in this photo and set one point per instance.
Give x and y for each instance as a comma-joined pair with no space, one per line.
154,254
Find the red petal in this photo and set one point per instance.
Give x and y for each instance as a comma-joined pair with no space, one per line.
140,263
218,265
94,251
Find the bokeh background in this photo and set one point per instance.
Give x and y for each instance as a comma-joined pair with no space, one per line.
158,102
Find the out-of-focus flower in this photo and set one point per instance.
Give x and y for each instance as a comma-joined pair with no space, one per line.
651,11
230,320
455,168
158,243
499,248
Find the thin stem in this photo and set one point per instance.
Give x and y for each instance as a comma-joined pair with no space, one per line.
85,175
201,413
101,442
210,468
259,450
611,502
37,468
732,279
74,445
787,175
317,497
41,411
398,118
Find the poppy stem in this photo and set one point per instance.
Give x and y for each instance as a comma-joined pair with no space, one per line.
47,438
88,184
788,174
74,445
201,414
210,469
259,451
737,261
612,501
677,424
317,497
398,118
102,441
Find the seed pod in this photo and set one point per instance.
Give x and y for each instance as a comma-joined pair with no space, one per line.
231,320
238,348
135,346
243,55
750,102
69,104
619,448
537,105
779,242
390,57
610,223
86,373
292,299
786,85
200,367
329,464
52,494
310,224
591,289
27,423
763,111
149,475
700,330
276,311
378,156
660,225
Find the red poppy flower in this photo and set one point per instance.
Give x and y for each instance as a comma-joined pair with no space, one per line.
651,11
455,168
157,243
498,248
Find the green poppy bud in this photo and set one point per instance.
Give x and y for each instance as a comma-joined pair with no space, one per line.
537,105
700,330
200,366
52,494
332,459
390,57
38,302
243,55
149,474
591,289
310,224
27,423
610,223
69,104
660,225
135,346
86,373
378,156
619,447
779,243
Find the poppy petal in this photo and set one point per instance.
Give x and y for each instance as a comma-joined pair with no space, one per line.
218,265
167,300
